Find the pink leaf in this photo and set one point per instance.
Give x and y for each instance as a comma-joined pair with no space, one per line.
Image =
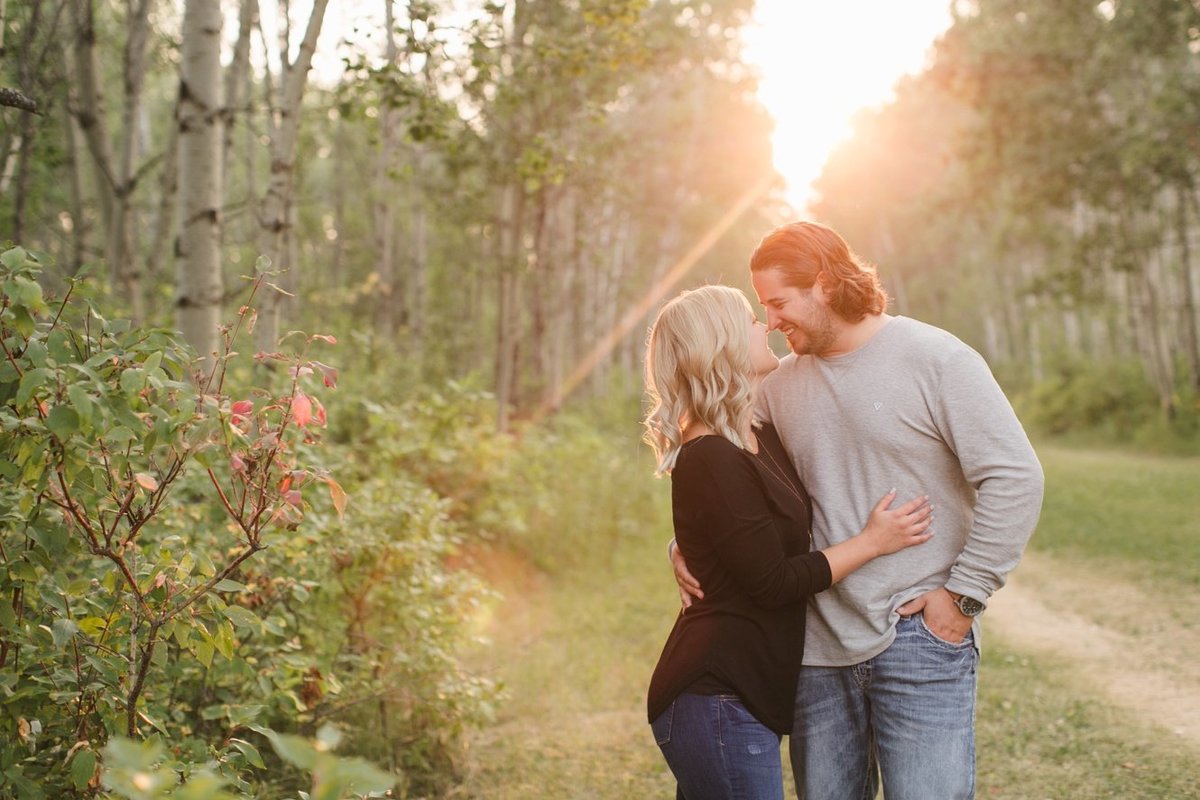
147,482
237,463
324,337
329,374
299,371
320,416
292,497
302,410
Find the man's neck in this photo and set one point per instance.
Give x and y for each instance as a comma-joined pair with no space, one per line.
854,335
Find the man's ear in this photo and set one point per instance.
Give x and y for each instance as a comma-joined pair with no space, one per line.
820,286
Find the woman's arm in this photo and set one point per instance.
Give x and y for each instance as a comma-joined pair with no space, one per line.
724,491
888,530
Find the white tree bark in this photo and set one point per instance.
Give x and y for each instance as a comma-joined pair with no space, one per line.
275,212
391,297
122,257
200,281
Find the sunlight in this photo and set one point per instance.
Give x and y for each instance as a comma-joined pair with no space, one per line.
821,62
637,313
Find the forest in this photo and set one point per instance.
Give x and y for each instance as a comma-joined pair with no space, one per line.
311,309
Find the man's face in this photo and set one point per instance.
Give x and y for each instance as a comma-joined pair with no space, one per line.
801,315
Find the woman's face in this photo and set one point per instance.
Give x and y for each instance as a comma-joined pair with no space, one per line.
762,360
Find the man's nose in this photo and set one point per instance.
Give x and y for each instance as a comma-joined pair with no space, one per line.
772,320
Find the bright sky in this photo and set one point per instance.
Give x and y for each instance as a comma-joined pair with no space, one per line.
822,60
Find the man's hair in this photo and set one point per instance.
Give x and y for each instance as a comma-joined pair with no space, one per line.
699,369
807,252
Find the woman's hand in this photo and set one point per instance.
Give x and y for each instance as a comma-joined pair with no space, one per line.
892,529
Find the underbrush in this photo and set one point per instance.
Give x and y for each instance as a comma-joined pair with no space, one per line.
1111,404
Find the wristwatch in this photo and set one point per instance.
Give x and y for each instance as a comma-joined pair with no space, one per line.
968,606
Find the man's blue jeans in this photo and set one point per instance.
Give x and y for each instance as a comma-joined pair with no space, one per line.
717,750
908,715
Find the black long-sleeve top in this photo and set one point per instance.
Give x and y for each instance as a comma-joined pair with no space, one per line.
745,533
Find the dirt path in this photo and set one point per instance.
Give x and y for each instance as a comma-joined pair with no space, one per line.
1140,650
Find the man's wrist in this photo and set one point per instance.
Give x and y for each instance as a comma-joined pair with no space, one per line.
967,606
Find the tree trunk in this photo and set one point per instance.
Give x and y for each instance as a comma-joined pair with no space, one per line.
200,181
88,106
419,278
237,77
561,277
1155,355
122,258
166,219
275,214
390,300
507,328
1187,282
79,225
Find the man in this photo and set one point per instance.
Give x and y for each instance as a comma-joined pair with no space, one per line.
870,402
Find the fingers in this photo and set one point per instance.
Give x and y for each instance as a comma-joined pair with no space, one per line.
916,504
685,598
884,501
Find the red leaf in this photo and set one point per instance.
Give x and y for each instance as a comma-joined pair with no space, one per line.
324,337
292,497
237,463
320,416
329,374
302,410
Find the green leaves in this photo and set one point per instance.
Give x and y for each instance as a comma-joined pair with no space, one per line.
112,592
333,777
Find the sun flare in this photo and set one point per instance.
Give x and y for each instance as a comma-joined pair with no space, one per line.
820,62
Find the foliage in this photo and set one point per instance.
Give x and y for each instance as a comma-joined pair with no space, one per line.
1034,190
134,499
1109,402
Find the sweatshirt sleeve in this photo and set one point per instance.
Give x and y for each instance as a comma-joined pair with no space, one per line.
723,491
980,426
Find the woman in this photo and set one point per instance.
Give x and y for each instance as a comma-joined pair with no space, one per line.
725,685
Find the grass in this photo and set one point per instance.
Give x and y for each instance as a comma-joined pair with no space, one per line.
576,651
1039,737
1134,515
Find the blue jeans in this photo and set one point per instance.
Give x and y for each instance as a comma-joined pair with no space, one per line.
907,715
717,750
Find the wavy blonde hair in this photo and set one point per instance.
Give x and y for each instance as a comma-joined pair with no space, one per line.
698,369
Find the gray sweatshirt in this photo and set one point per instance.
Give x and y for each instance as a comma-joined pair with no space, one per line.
918,410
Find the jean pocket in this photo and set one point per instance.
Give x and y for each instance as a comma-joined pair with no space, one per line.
662,726
967,641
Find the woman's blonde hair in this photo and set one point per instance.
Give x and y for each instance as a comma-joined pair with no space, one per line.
698,369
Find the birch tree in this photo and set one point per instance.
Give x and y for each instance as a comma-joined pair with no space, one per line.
200,113
275,211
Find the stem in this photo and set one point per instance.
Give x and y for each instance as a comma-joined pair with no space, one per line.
146,653
251,549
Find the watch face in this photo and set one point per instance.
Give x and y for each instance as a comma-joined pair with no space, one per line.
969,606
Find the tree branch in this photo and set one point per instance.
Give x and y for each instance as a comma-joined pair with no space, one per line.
15,99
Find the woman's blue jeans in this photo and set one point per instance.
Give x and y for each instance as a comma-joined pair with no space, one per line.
717,750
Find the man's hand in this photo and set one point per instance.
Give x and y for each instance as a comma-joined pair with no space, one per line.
941,614
689,587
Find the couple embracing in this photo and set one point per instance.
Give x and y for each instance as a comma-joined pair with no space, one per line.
842,517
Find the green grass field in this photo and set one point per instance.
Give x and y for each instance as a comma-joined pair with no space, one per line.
578,650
